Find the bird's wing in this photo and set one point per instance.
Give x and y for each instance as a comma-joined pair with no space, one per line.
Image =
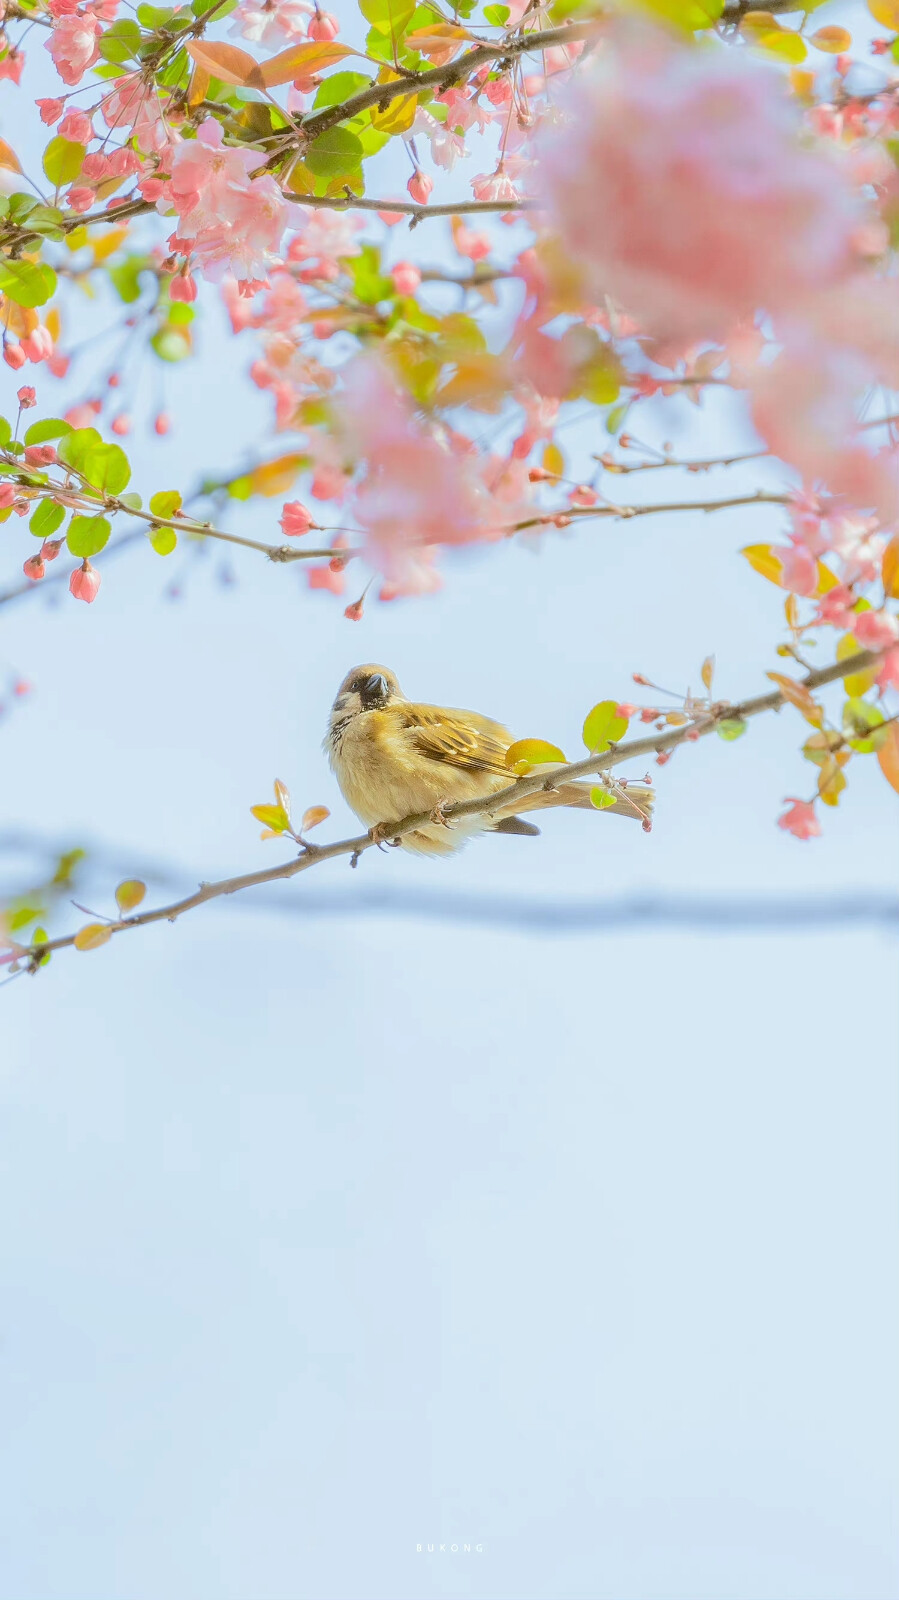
459,738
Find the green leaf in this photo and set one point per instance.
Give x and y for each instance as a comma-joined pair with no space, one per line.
49,428
22,917
369,283
46,518
121,42
46,220
86,536
130,894
864,721
171,343
334,154
497,16
132,501
603,727
731,728
27,284
163,540
390,17
600,798
63,160
334,90
5,432
107,467
165,503
126,277
76,447
616,416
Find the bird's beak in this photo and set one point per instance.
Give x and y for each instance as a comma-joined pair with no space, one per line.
376,687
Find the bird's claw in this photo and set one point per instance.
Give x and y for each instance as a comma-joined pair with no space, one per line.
379,834
438,815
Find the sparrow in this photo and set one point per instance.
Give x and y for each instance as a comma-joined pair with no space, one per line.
394,758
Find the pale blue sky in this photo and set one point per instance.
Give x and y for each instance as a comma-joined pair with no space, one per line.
328,1237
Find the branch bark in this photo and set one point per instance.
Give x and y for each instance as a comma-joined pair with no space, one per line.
314,855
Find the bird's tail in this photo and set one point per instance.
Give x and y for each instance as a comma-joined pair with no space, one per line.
637,801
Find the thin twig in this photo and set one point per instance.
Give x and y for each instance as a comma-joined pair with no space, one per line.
502,800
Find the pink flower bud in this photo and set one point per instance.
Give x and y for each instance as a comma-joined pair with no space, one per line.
50,548
625,710
38,345
406,277
8,494
121,424
34,568
50,110
26,397
162,424
324,27
663,757
84,582
391,217
876,630
295,520
21,687
353,613
183,287
538,475
40,455
583,495
14,356
420,187
113,380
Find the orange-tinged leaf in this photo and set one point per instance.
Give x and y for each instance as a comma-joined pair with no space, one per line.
798,696
888,755
437,35
274,477
274,817
282,795
791,612
890,568
227,63
762,559
676,719
527,753
199,83
857,683
833,41
802,83
20,320
398,115
708,672
130,894
312,816
8,157
886,12
105,244
302,61
92,935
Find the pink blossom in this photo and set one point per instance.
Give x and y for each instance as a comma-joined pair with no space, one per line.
835,608
121,425
34,568
228,220
40,455
888,677
406,277
38,345
326,578
50,548
420,187
161,424
353,613
876,630
271,22
800,820
77,126
50,110
14,355
8,494
26,397
295,520
415,490
73,45
474,246
680,185
81,198
496,185
84,582
800,569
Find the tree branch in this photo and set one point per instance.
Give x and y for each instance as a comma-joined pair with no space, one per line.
514,792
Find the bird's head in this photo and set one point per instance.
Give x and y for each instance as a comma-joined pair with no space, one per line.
367,688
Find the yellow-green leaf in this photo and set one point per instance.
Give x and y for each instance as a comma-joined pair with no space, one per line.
600,798
603,726
857,683
886,12
163,540
130,894
274,817
527,753
762,559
